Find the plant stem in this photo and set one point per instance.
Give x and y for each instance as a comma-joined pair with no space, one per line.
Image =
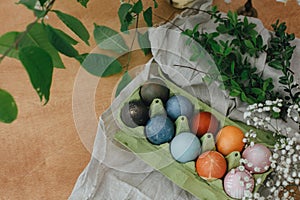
188,67
29,27
167,20
19,39
131,46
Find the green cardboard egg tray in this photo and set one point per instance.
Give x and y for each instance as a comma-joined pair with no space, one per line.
159,157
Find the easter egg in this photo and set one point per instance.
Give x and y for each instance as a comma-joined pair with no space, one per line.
159,129
185,147
229,139
204,122
179,105
258,158
211,165
154,88
134,113
237,183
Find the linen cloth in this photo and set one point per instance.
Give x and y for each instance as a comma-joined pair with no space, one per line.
113,172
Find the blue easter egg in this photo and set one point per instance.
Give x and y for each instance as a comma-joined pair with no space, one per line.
159,129
185,147
179,105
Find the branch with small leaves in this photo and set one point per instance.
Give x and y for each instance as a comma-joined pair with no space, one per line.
232,57
41,40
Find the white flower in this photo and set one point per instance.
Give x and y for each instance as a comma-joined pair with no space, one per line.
276,109
247,114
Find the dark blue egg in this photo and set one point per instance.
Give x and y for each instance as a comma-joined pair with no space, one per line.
179,106
159,129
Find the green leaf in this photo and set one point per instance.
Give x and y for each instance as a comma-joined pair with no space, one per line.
215,47
83,2
208,80
262,177
101,65
276,65
60,43
227,51
232,67
8,107
257,91
137,7
109,39
123,13
223,78
75,25
37,36
249,44
148,17
126,79
30,4
7,41
66,37
144,42
155,4
42,2
39,67
266,84
80,58
234,93
245,75
244,97
259,41
222,29
235,84
283,80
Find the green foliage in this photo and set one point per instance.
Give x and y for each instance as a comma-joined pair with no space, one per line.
144,42
7,41
126,79
101,65
137,8
40,46
83,2
42,2
125,16
278,57
109,39
75,25
59,43
36,35
8,107
148,16
39,70
155,4
39,7
232,57
30,4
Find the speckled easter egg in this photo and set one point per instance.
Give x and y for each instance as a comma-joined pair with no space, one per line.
238,183
258,158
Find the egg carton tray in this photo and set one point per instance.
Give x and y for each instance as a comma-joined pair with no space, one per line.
183,174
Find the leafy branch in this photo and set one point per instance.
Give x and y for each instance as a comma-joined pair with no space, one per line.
278,57
42,40
232,57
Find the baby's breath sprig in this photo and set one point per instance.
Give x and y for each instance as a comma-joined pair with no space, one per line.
260,115
293,112
285,163
285,160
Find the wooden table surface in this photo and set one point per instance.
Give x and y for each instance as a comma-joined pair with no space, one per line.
43,152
